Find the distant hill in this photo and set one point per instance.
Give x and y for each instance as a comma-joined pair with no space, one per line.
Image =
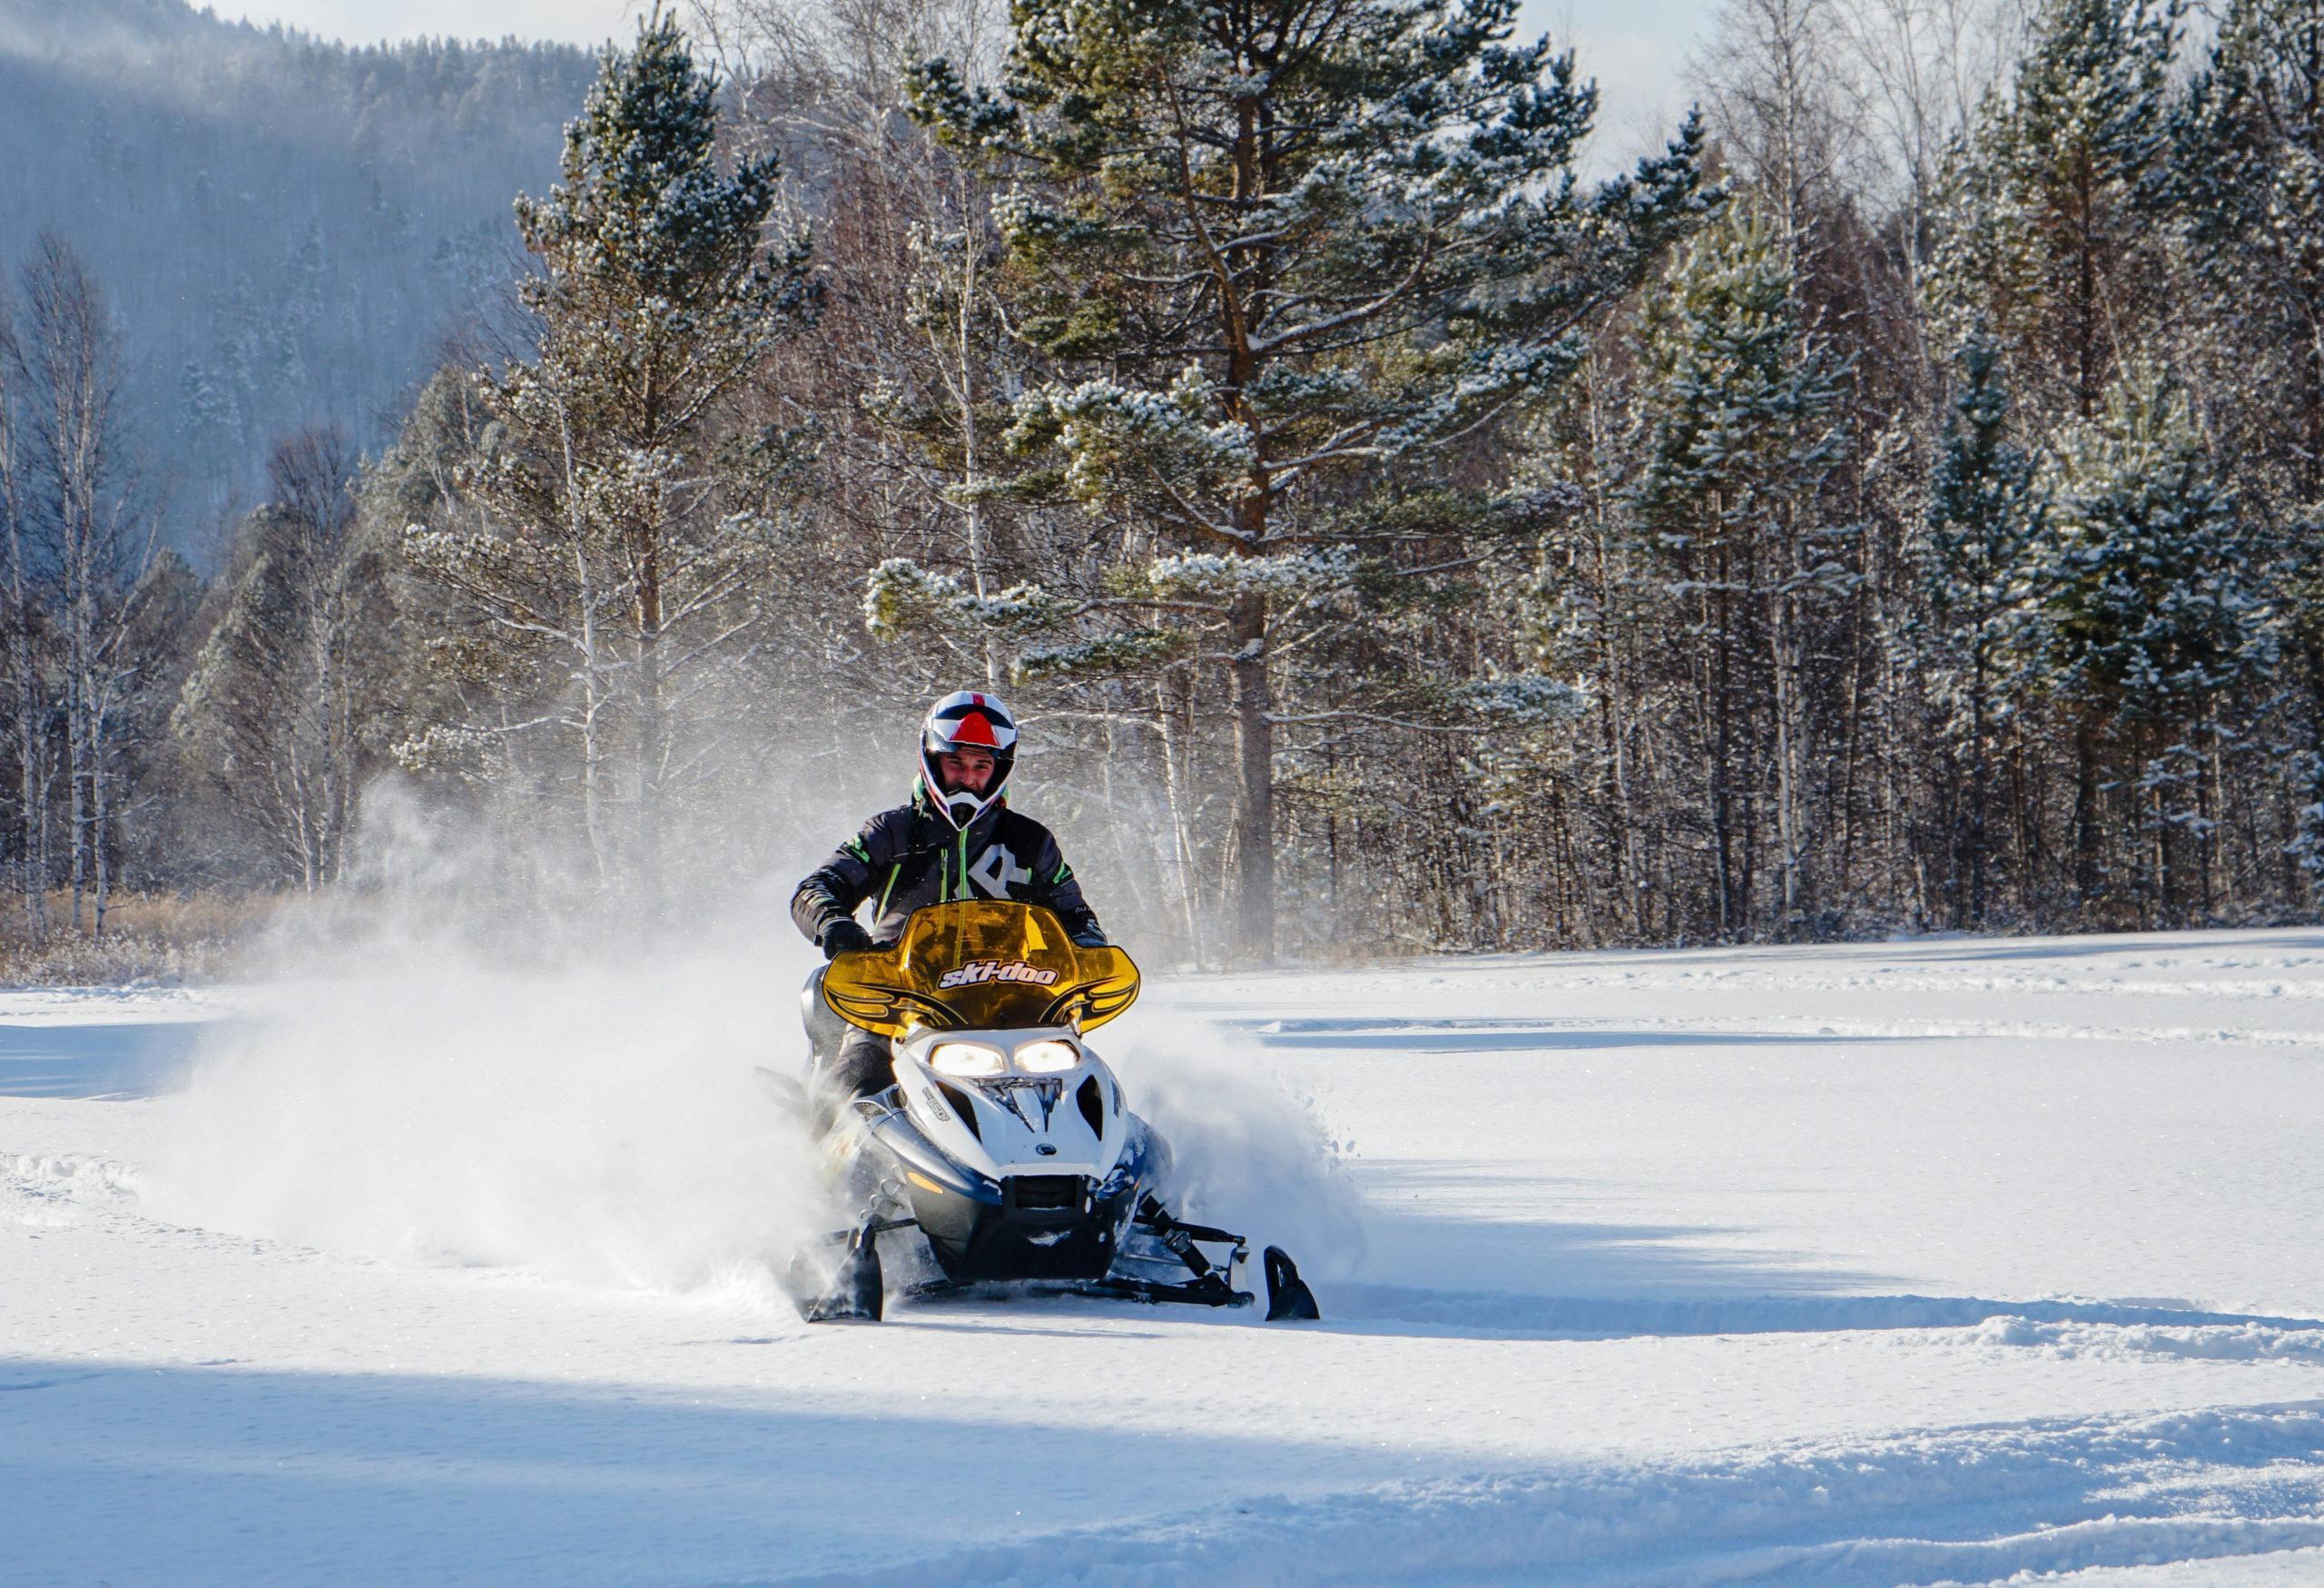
287,228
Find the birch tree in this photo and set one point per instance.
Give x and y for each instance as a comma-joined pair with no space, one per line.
97,542
271,705
25,627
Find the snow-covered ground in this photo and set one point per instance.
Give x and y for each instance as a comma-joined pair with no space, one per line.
1947,1260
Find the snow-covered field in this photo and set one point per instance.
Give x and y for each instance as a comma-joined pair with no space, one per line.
1947,1260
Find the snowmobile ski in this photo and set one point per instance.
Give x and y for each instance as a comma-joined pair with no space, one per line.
1288,1297
857,1289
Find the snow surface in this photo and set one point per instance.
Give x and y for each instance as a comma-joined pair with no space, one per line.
1944,1260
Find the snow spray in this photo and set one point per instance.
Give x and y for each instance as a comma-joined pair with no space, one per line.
435,1067
398,1088
1247,1154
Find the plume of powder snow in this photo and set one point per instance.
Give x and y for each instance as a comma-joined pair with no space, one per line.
428,1076
1249,1153
601,1121
438,1069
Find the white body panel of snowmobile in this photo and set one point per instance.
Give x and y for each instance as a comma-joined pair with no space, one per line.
1028,1124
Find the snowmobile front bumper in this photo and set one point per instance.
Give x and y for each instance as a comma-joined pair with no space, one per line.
1027,1226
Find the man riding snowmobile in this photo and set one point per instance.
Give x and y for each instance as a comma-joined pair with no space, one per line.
958,1106
955,838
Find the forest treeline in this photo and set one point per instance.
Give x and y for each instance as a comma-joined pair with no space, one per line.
1896,503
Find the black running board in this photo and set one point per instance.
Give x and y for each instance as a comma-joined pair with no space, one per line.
1218,1293
854,1294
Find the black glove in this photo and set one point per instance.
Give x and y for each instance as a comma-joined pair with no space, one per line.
844,937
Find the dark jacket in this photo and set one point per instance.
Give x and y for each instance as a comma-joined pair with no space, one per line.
911,856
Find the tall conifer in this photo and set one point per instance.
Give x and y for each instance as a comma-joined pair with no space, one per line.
1983,516
2138,612
1285,257
2049,226
1740,409
611,562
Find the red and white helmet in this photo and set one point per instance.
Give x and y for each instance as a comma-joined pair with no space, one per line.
966,721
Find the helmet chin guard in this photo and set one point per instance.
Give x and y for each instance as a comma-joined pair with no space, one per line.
966,721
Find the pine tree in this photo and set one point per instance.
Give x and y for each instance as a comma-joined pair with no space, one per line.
614,564
208,414
241,361
1741,413
2049,223
2137,613
1287,259
2246,182
1984,514
2246,189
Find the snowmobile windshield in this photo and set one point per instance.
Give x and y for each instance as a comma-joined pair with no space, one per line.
981,964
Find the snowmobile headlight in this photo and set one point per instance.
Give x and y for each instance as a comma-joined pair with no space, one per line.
969,1059
1048,1057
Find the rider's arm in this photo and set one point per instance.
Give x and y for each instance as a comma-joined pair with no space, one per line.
1061,892
830,894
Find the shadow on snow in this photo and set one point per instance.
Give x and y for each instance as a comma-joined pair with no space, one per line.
126,1059
1488,1035
1578,1279
210,1473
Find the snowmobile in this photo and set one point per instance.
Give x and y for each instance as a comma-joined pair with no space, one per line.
1005,1144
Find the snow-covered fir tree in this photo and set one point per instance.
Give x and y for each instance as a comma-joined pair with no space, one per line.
2247,186
2138,613
2246,182
1983,514
1740,410
2048,224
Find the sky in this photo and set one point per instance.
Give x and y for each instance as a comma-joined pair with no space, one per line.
582,22
1636,49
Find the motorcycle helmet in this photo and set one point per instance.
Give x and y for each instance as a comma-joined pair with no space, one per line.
966,721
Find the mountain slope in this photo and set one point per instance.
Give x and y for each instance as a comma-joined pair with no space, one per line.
287,228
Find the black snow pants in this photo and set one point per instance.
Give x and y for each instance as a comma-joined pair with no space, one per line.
849,1061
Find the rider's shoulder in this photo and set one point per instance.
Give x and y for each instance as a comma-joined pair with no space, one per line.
892,830
1013,824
